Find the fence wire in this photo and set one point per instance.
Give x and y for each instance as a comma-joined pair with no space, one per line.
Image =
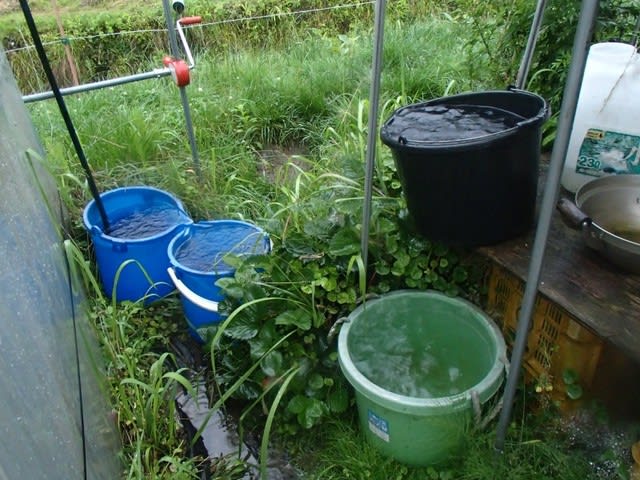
201,25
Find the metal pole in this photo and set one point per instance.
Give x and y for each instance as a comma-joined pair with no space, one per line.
372,132
189,126
161,72
636,30
173,45
73,134
581,44
523,71
168,18
156,73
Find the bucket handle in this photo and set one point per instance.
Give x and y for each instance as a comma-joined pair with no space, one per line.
190,295
480,420
333,331
542,116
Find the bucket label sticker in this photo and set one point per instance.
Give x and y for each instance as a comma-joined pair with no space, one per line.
378,426
604,152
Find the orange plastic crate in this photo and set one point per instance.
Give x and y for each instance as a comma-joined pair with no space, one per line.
557,341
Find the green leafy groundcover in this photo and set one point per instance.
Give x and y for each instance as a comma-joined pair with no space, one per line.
312,279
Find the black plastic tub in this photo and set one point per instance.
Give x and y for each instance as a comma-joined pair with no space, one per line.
476,186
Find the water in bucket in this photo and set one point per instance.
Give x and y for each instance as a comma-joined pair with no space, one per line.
145,223
421,363
197,257
132,255
206,251
415,353
437,123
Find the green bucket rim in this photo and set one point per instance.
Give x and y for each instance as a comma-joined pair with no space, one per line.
485,388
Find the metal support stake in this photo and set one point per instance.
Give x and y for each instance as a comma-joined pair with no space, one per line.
173,45
372,129
189,126
582,40
168,17
636,31
73,134
523,71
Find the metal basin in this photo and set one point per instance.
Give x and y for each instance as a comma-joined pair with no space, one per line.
607,210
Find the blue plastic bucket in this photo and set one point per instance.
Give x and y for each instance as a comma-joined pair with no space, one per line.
197,256
132,263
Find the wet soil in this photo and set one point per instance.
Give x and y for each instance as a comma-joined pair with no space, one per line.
219,442
606,444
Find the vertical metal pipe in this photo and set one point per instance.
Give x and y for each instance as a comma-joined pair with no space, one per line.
168,18
372,129
173,45
582,40
636,30
189,126
523,71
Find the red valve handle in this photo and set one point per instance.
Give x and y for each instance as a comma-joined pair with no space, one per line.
180,72
190,20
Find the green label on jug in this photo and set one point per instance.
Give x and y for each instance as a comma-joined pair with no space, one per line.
605,152
378,426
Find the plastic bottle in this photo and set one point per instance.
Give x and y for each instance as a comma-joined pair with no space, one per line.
606,132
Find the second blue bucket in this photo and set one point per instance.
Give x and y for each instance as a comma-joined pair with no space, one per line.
197,263
132,255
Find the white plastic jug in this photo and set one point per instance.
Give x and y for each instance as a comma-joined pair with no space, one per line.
606,132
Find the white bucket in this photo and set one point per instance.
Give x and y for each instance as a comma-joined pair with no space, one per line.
606,134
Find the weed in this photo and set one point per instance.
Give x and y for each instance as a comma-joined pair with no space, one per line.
500,29
531,452
143,383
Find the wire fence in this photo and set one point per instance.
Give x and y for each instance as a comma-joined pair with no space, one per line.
201,25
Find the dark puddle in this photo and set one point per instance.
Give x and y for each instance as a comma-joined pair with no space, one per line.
607,444
219,442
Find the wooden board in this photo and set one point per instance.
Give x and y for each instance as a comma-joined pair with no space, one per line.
578,279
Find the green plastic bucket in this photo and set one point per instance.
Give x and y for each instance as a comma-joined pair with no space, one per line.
423,365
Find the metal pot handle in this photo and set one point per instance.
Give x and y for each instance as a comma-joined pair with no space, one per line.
190,295
574,217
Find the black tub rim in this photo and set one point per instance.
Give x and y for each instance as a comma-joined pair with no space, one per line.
534,121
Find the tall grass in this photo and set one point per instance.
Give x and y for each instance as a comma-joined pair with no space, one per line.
143,378
244,101
114,38
344,453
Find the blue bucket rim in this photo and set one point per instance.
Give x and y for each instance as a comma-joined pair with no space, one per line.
187,232
485,388
97,230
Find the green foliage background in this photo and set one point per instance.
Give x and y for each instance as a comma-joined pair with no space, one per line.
109,39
